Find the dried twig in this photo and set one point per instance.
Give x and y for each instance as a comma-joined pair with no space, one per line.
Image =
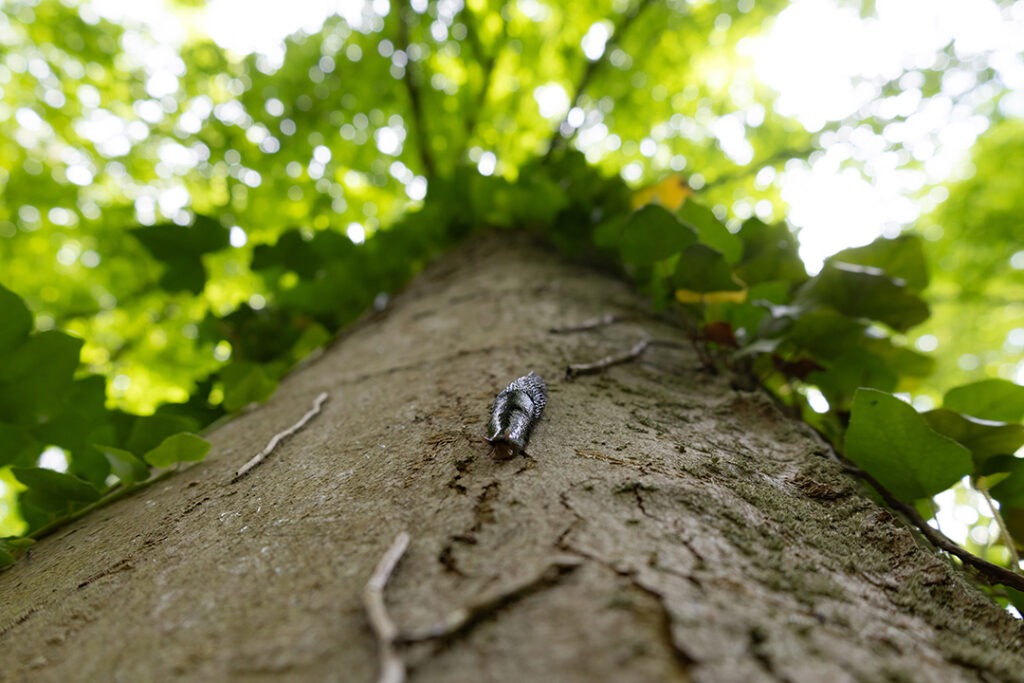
392,668
279,437
589,324
577,369
465,618
991,572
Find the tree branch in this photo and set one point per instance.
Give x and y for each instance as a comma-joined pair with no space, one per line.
992,573
627,19
412,88
755,166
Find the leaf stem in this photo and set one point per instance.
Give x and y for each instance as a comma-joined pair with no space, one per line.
1004,532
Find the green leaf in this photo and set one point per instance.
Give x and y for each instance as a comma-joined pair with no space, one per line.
15,320
183,447
889,440
608,234
989,399
902,257
17,447
1010,491
865,292
11,548
184,274
168,242
769,253
125,466
55,491
710,230
851,370
291,252
245,383
652,234
148,431
982,437
703,269
826,333
35,376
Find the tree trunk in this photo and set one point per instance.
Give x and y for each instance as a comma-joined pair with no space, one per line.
664,527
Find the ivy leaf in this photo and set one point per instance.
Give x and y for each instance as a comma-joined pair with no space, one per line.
902,257
608,234
711,231
701,270
983,438
652,234
180,249
1010,491
15,320
245,383
671,192
989,399
184,447
865,292
183,274
851,370
18,446
35,376
769,253
55,491
125,466
889,440
168,241
148,431
11,548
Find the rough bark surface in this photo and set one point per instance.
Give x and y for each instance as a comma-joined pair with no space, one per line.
717,540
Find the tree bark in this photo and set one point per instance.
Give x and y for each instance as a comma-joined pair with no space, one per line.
664,526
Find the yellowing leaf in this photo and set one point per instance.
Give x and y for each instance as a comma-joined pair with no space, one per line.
670,193
686,296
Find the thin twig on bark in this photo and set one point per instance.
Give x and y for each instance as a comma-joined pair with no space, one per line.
279,437
990,572
577,369
589,324
391,666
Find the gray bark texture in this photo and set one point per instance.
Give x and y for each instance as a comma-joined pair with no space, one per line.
664,526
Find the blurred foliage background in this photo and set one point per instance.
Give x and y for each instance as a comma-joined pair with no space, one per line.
178,202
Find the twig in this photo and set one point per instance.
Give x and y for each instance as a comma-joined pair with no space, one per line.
589,324
465,618
991,572
577,369
279,437
1003,531
392,668
592,67
756,166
